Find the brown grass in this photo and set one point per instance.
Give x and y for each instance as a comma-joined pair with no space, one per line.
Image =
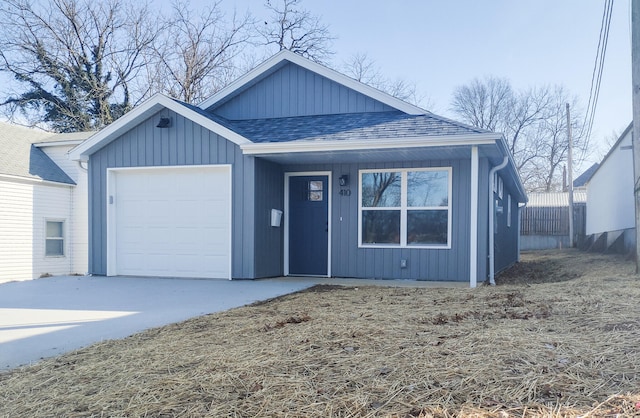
562,340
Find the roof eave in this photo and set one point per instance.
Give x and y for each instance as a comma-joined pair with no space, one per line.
73,142
285,55
522,193
366,144
37,180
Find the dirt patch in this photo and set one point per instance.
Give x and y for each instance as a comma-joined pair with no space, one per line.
551,267
562,347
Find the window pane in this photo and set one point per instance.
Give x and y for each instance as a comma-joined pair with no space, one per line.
54,247
380,190
427,226
428,188
381,227
314,191
54,229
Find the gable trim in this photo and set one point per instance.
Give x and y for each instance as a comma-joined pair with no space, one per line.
613,148
142,112
272,63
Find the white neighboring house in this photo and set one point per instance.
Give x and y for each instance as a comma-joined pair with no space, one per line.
610,201
43,204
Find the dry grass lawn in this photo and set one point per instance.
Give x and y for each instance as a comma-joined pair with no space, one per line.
558,337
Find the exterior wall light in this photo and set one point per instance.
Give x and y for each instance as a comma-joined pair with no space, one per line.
344,180
164,123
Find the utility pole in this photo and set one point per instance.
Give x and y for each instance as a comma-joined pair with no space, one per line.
570,175
635,81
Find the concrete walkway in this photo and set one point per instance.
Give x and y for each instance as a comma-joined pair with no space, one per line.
47,317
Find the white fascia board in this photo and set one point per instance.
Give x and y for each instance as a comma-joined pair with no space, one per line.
20,179
58,143
142,112
319,69
367,144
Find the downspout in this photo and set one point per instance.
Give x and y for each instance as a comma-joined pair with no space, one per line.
492,267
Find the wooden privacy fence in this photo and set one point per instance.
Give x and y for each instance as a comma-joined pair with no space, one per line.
553,221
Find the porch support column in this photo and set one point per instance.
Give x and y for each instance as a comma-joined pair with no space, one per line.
473,232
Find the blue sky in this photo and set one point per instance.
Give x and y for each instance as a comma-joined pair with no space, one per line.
441,44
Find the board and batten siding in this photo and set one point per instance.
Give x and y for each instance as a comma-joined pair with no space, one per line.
384,263
269,240
184,143
296,91
24,208
506,240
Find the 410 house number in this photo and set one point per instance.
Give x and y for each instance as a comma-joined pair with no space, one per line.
345,192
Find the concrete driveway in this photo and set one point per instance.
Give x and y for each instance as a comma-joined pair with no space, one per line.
47,317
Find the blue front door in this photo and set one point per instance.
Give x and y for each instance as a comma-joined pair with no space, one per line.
308,225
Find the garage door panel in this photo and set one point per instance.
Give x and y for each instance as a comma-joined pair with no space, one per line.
173,222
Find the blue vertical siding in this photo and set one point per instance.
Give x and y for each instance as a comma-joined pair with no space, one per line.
422,264
483,219
185,143
269,194
296,91
506,240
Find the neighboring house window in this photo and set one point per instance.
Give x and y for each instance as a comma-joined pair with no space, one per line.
509,211
54,241
405,207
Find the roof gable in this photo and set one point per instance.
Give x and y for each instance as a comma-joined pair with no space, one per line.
308,88
627,134
141,113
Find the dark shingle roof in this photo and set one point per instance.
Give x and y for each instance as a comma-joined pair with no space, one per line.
350,126
347,126
19,157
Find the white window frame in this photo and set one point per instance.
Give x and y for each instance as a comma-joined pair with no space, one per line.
404,208
63,238
508,211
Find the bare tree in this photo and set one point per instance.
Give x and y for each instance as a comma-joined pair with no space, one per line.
554,148
194,57
75,58
484,103
364,69
533,122
296,29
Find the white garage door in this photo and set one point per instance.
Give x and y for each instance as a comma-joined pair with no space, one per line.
170,222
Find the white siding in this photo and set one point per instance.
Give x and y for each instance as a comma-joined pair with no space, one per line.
16,231
59,155
610,202
78,226
24,208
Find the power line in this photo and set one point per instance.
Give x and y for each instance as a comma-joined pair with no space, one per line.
598,69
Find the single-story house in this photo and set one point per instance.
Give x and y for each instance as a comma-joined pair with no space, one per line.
610,200
43,204
295,169
544,222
